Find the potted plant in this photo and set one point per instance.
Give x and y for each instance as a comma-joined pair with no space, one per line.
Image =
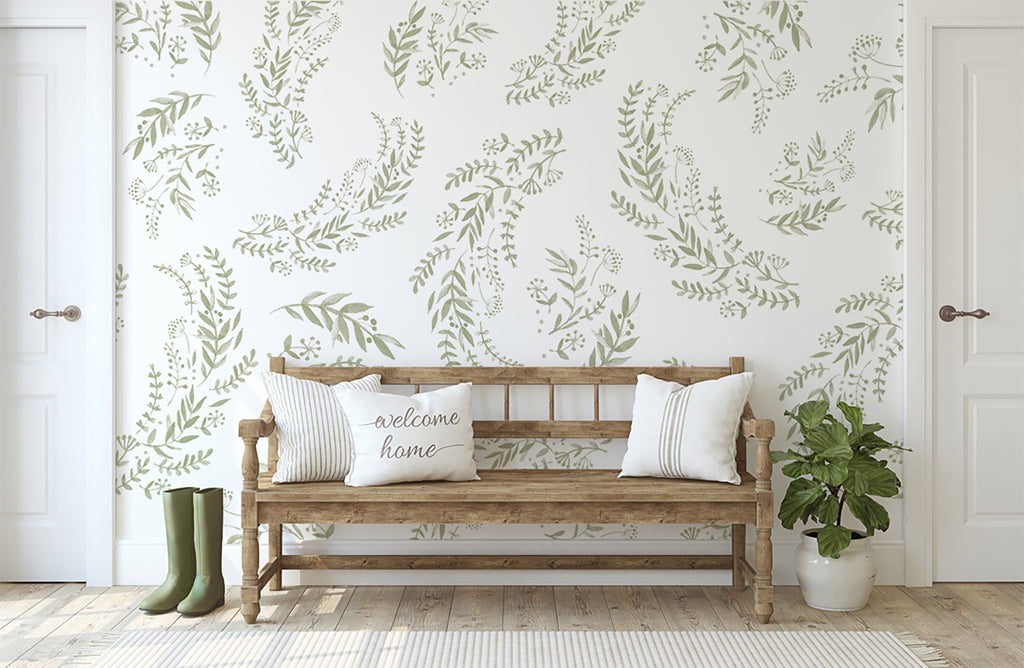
834,470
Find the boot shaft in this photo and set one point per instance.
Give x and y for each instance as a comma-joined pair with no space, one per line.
179,527
208,508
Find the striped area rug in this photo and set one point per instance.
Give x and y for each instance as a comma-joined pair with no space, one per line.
497,649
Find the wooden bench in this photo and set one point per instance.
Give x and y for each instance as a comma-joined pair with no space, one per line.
508,496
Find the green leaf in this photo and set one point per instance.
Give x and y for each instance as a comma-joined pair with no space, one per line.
868,475
870,512
832,540
855,416
809,415
801,498
831,473
828,510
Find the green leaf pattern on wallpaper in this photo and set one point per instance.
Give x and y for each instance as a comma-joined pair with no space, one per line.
283,68
666,200
583,35
579,295
747,42
343,320
854,356
886,215
870,71
803,185
179,155
197,377
171,32
359,204
464,269
446,44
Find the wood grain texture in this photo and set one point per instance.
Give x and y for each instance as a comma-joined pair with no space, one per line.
505,562
424,608
371,608
529,608
687,609
965,621
477,608
634,608
512,496
582,608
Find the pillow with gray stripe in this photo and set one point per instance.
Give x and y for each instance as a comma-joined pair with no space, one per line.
314,436
686,431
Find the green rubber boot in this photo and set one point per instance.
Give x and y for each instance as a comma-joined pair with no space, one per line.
207,592
181,552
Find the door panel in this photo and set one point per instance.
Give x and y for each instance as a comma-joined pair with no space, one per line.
978,209
42,177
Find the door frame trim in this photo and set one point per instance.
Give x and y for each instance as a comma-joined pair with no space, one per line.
96,17
923,17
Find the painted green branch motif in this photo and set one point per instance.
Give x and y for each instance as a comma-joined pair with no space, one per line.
178,157
583,35
871,71
804,184
441,531
345,320
283,68
579,295
753,50
308,349
706,532
446,44
539,453
120,287
854,357
667,202
593,531
359,204
170,32
464,269
187,391
887,215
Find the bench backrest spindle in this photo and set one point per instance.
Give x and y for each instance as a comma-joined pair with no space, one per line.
521,376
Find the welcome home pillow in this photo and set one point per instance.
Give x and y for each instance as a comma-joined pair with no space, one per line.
686,431
314,438
428,436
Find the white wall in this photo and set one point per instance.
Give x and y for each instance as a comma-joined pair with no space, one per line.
792,178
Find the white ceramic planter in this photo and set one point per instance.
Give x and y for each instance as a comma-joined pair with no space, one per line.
841,584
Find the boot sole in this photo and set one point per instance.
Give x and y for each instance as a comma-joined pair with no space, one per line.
216,605
151,611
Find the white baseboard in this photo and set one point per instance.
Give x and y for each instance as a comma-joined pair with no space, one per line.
138,563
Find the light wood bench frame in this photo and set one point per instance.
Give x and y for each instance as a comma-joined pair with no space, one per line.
506,496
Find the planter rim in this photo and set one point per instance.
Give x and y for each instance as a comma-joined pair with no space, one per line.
813,533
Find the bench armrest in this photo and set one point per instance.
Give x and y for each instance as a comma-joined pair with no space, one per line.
763,430
260,427
252,431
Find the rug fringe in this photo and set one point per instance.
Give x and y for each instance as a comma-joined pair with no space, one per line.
922,650
93,649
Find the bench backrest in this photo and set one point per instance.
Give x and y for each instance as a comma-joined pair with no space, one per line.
509,377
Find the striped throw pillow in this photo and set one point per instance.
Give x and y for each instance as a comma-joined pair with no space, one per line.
686,431
314,437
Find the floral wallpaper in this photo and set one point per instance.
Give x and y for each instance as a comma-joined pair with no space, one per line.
489,182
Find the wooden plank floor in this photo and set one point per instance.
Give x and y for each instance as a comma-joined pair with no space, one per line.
971,624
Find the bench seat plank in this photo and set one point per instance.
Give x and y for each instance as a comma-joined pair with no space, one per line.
521,485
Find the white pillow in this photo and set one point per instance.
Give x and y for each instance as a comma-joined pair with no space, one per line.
686,431
428,436
314,439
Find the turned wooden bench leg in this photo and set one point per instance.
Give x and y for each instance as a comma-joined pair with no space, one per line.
275,553
250,592
739,552
763,592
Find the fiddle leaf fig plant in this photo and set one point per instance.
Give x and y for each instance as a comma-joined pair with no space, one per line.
834,470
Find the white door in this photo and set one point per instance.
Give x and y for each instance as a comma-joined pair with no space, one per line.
42,361
978,263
